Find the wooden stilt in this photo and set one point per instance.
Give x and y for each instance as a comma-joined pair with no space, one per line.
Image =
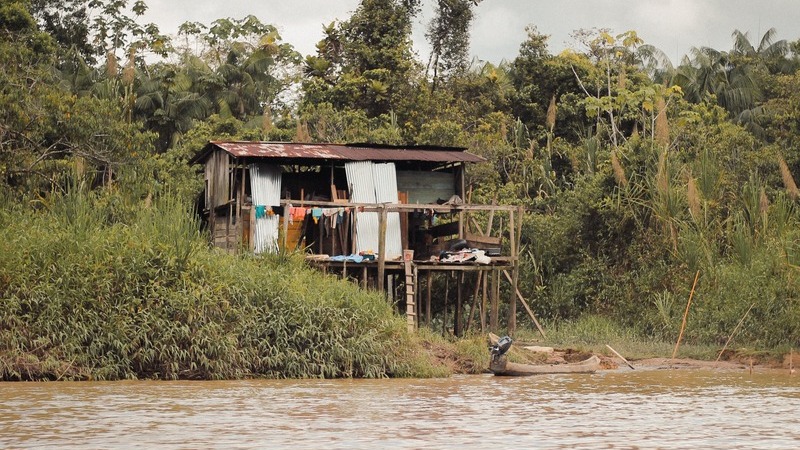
493,316
382,247
512,305
491,218
485,278
417,300
429,286
444,311
458,325
364,277
474,304
285,240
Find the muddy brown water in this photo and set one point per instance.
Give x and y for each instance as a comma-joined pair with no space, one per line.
651,408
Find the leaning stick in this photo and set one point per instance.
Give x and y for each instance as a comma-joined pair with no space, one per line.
525,304
685,315
621,357
734,331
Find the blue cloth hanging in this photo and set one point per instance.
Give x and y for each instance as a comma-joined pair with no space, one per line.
261,211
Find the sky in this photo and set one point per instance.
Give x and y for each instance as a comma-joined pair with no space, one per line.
673,26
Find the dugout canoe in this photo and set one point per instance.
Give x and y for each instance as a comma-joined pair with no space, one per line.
502,367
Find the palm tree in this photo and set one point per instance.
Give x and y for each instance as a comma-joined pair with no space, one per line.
736,77
770,54
168,104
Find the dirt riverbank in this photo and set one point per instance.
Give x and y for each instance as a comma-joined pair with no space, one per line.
529,354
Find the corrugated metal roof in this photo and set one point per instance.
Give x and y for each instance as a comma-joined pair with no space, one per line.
287,150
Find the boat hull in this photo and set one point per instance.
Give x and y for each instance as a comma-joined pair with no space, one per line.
502,367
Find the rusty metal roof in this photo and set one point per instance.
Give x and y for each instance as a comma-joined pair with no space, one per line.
344,152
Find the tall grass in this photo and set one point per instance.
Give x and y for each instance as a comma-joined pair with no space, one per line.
89,294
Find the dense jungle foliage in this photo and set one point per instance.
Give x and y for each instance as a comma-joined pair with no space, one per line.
637,175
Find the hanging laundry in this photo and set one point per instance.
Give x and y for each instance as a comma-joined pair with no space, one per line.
316,213
298,213
261,211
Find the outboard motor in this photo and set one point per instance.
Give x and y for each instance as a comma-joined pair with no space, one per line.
501,347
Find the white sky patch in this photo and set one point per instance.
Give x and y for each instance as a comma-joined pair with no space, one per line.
674,26
497,32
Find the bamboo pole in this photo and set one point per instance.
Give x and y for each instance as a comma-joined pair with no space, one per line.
733,333
685,316
620,357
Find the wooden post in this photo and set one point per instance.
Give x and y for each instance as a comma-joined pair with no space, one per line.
493,316
417,302
239,205
446,294
458,324
515,270
228,227
382,247
252,219
485,277
428,299
354,231
364,277
461,224
286,213
474,304
491,218
512,306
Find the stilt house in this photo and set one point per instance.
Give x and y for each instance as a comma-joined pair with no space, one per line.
377,214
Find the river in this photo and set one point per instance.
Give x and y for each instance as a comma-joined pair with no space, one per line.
650,408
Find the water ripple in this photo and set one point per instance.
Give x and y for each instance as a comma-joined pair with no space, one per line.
616,409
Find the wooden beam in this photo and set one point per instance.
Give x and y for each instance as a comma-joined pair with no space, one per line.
400,207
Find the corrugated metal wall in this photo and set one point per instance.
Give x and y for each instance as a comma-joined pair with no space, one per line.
374,183
265,186
385,177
